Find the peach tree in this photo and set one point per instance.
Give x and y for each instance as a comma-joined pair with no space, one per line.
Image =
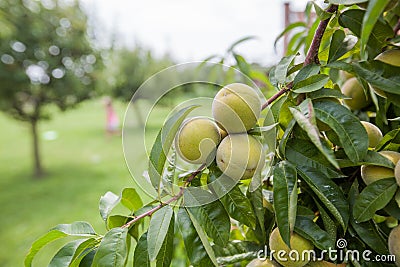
313,168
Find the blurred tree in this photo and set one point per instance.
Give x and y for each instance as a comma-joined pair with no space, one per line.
46,58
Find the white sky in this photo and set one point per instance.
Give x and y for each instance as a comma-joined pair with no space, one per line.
193,29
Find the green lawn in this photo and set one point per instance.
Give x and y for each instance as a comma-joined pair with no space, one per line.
81,164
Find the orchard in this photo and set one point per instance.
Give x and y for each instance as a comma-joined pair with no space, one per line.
307,174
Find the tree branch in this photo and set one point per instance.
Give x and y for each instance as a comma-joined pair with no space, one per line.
169,201
312,55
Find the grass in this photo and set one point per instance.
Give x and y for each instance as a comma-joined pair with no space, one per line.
81,164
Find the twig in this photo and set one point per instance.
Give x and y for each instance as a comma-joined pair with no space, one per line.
169,201
312,55
277,95
397,28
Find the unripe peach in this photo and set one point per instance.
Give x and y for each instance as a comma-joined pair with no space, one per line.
394,244
325,264
239,156
197,140
372,173
391,57
374,134
298,245
352,88
236,108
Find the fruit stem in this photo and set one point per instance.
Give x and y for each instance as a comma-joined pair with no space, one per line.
169,201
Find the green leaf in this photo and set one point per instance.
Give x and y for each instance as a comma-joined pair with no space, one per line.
353,20
65,255
303,152
373,198
82,250
194,247
389,141
311,84
141,256
236,252
325,92
163,143
203,237
328,222
352,135
282,68
367,231
212,217
313,133
112,250
242,64
236,204
285,198
256,200
339,46
158,228
379,74
308,229
372,158
61,230
374,10
328,192
306,72
131,199
107,203
164,256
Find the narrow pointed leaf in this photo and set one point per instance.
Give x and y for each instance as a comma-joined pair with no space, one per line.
163,143
328,192
373,198
194,247
112,250
311,84
352,135
236,204
285,198
164,256
307,228
64,256
140,256
203,237
214,219
158,229
374,10
282,68
313,133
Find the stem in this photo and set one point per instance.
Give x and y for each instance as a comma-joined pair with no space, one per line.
277,95
397,28
312,55
169,201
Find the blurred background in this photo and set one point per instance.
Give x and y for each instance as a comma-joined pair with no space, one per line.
68,70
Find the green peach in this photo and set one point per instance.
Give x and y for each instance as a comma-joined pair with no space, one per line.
236,108
352,88
260,263
197,140
298,245
394,244
372,173
391,57
374,134
239,156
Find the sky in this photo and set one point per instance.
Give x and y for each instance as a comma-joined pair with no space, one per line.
190,30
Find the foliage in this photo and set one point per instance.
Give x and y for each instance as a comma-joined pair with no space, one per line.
46,58
314,187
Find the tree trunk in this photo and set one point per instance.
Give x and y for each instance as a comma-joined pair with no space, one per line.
38,170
